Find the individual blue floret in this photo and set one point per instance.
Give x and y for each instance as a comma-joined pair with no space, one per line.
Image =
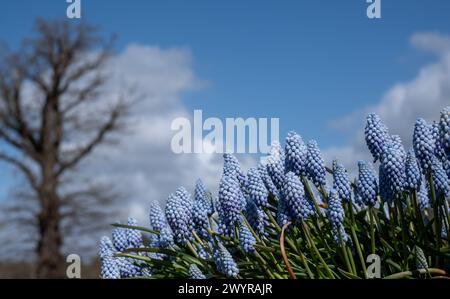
246,239
296,154
412,170
224,262
423,144
315,165
195,273
376,135
341,182
366,185
257,191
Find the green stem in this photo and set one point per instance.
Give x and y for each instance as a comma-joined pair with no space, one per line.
372,229
355,240
311,243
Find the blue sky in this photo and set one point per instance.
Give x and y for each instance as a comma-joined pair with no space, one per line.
310,63
306,62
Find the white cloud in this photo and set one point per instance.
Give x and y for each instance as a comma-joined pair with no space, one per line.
423,96
143,166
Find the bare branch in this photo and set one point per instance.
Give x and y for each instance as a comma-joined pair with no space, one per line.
99,137
22,167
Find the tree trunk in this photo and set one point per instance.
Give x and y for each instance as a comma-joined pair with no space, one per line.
50,260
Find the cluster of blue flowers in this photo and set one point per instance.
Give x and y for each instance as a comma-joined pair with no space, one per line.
246,239
401,170
179,215
225,262
280,182
114,267
336,215
341,182
366,185
298,205
195,273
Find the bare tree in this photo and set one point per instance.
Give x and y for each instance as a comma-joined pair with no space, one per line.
52,118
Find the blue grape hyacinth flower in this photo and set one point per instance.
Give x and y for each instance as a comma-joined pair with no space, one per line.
232,167
106,247
127,268
275,165
423,196
296,154
336,215
157,218
394,168
201,194
134,236
224,261
366,185
294,196
179,215
396,143
444,130
159,223
412,171
195,273
376,135
120,238
264,174
256,189
440,179
230,202
246,239
341,182
423,144
386,192
439,151
109,268
200,219
283,211
256,217
315,165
